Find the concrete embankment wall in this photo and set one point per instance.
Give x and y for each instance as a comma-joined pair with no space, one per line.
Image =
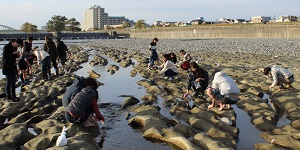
238,31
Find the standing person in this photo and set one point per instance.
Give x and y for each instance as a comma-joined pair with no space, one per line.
10,53
44,58
186,58
50,48
153,52
27,50
84,105
223,90
173,57
168,68
62,49
197,80
280,75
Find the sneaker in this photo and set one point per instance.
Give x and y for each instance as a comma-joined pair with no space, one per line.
166,78
171,78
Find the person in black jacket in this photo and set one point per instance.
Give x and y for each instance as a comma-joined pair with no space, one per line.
50,48
197,80
62,53
173,57
10,53
27,50
76,87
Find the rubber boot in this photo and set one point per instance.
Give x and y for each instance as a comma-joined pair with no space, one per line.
49,73
57,72
45,77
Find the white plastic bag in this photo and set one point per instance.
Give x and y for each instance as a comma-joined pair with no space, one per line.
59,65
62,139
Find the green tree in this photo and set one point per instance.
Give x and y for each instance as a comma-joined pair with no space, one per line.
72,25
140,24
32,28
125,25
57,23
28,27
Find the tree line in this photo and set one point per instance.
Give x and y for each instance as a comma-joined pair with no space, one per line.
56,24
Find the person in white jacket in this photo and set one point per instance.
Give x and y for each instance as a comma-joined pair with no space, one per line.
223,90
44,58
168,68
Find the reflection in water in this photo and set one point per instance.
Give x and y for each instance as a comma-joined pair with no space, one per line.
117,134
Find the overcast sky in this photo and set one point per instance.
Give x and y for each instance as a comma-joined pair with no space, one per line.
14,13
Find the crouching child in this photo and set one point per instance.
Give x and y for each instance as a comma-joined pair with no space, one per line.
223,91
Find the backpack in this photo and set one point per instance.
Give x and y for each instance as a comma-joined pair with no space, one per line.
185,65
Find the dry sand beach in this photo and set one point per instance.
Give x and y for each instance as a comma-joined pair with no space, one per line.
154,112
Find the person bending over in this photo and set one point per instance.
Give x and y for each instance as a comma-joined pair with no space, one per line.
197,80
77,85
23,64
44,58
84,105
223,91
280,76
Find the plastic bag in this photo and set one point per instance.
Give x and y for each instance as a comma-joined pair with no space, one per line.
59,65
62,139
197,85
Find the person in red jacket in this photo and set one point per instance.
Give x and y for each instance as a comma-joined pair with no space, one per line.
82,107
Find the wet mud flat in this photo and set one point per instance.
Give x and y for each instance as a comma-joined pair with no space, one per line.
142,115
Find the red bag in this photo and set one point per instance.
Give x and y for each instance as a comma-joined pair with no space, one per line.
185,65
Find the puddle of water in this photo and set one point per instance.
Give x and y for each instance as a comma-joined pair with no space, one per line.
248,135
119,135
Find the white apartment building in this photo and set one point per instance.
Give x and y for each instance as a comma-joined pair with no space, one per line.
96,18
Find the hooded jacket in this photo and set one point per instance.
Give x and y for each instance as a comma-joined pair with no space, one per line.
81,103
62,49
85,103
76,87
50,48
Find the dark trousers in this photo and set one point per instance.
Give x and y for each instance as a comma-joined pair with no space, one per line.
11,84
170,73
46,64
54,63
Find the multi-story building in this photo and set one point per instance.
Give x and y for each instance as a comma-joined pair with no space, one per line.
96,18
260,19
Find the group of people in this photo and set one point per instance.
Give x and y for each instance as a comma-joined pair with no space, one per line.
80,99
224,91
18,62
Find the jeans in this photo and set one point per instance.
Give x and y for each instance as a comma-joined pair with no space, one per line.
46,64
153,57
11,84
54,63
